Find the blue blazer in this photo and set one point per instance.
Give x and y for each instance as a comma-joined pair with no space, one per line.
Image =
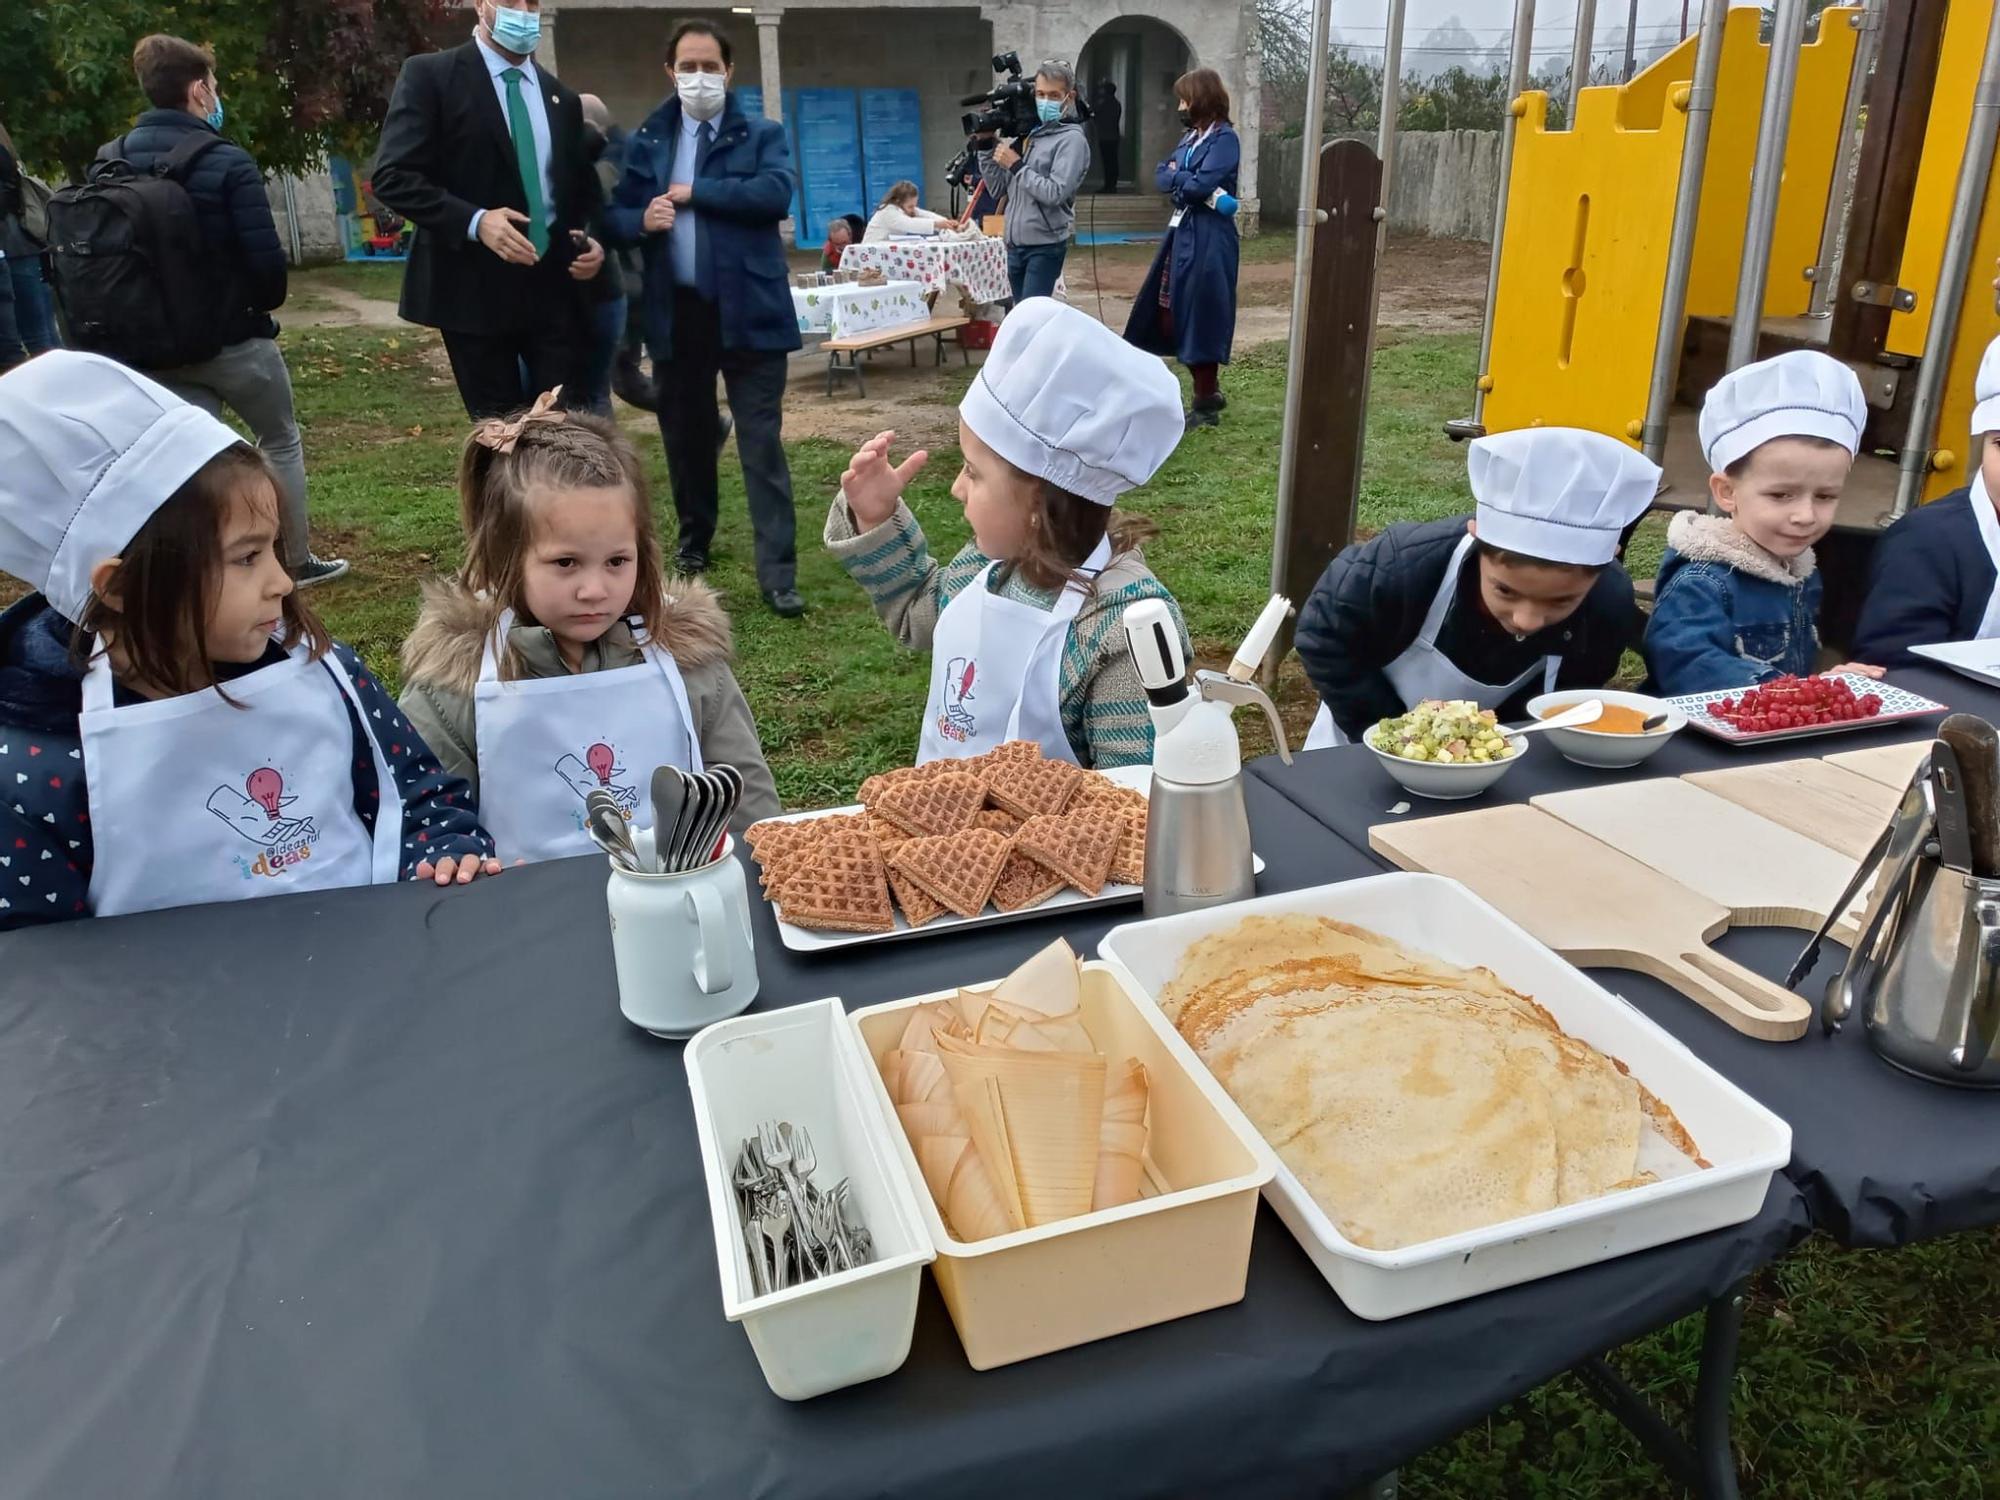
1928,582
742,193
1198,257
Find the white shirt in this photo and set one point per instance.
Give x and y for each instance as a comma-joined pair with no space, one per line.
890,220
538,121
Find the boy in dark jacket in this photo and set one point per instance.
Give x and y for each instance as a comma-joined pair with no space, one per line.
1523,597
246,264
1935,575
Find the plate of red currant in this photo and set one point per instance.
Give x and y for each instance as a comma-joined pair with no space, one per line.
1793,707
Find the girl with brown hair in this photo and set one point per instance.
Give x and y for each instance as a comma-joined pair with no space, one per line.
1187,306
560,661
898,214
1024,625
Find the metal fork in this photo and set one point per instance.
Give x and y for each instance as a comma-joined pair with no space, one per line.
780,1146
775,1224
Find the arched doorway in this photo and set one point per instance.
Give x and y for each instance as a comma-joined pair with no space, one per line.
1141,58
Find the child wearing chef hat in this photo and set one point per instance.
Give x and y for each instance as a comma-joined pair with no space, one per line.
1935,575
1737,601
174,725
1524,596
1024,624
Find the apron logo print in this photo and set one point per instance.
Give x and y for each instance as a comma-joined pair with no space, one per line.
260,817
597,771
955,723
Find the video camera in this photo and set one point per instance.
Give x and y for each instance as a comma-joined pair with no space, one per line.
1007,111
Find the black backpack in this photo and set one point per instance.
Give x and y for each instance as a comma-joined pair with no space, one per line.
131,272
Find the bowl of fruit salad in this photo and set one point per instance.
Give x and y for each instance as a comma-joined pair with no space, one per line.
1448,750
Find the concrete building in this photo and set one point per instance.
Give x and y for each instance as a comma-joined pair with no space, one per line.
941,53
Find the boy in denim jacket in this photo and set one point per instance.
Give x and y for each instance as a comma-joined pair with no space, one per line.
1738,596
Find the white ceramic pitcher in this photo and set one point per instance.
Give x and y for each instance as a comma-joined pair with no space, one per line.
681,942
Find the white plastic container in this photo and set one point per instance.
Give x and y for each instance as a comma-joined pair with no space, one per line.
1744,1142
802,1065
1183,1248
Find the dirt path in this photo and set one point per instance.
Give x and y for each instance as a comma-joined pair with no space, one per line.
322,306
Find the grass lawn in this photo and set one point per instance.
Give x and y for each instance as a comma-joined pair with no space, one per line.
1861,1374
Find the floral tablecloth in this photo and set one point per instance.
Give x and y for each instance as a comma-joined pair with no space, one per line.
980,266
843,312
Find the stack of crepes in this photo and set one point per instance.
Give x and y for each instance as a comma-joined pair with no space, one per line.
1016,1118
1413,1099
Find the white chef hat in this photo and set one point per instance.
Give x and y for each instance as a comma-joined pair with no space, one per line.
1065,399
1986,391
1559,494
89,449
1802,393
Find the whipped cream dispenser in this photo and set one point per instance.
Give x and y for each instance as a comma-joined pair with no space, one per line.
1197,832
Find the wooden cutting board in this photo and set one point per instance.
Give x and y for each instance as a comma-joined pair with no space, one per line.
1893,765
1595,906
1764,873
1827,804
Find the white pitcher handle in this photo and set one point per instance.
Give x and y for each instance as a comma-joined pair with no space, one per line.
713,969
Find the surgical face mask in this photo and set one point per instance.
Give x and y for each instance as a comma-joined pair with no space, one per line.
519,31
702,94
214,116
1050,110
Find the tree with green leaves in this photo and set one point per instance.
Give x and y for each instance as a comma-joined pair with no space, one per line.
301,78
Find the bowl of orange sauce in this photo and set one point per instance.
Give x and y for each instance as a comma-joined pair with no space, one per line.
1617,740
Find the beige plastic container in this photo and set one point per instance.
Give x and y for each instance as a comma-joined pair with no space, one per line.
1183,1248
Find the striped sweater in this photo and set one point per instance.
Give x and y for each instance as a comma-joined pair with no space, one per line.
1103,701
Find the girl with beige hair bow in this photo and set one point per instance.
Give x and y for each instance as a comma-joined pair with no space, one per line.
561,661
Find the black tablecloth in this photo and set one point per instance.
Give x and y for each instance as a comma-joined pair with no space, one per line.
376,1194
1882,1158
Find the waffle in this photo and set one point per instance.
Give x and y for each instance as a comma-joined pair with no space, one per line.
997,819
1023,884
1129,868
840,887
958,869
1078,846
1014,752
1101,791
941,804
915,903
887,834
1030,787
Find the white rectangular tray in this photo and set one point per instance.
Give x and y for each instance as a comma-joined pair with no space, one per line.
1898,706
1979,660
808,940
1744,1142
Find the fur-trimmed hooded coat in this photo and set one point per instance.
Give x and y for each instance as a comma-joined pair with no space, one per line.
441,666
1728,614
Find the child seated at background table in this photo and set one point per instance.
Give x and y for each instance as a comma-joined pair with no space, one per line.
561,659
1025,624
1935,575
1522,597
175,725
1738,596
899,214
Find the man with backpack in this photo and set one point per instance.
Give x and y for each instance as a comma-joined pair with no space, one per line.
222,351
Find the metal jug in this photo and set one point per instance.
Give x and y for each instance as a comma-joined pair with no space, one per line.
1925,969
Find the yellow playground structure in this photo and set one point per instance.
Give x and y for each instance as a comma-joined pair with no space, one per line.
1744,196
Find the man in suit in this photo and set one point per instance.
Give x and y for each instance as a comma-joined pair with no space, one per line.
484,153
1110,130
704,190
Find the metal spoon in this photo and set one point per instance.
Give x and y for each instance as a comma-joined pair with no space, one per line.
727,782
700,792
610,832
669,802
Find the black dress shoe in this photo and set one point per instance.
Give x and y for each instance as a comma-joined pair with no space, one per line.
724,427
785,603
688,564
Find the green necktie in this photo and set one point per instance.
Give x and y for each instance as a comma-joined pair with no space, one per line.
523,131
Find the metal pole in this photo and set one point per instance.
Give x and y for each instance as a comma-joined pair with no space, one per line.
1309,218
1687,210
1825,269
1631,38
1517,80
1766,174
1385,147
1968,201
1579,55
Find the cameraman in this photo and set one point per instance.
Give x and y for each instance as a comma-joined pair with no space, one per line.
1039,182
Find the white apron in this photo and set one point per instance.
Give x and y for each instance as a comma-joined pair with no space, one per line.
193,800
996,670
1989,533
1424,672
546,743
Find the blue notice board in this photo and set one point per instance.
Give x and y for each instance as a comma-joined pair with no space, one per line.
829,158
751,101
892,141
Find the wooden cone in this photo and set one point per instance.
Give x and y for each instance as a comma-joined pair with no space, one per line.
1121,1143
1038,1114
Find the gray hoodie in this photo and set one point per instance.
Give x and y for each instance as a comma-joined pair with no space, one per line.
1041,191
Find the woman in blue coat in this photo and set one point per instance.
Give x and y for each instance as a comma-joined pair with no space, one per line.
1187,308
